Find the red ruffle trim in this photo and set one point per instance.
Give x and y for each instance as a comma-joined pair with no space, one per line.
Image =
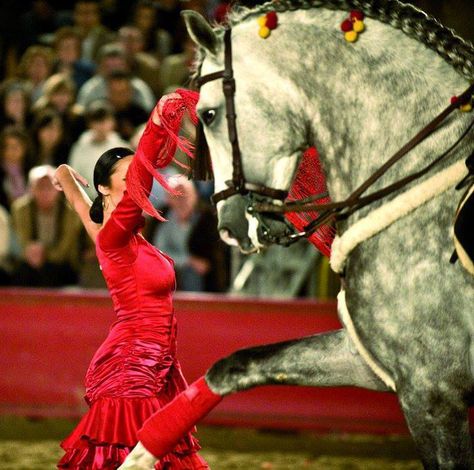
108,432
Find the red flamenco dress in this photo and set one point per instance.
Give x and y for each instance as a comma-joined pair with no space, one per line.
135,371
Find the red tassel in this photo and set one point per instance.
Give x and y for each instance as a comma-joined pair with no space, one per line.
148,158
271,20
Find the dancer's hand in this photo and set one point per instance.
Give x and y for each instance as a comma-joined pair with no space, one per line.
158,111
139,459
66,169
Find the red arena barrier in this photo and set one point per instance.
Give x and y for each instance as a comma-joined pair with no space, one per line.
48,338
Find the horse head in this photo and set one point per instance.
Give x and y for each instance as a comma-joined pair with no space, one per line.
263,102
271,136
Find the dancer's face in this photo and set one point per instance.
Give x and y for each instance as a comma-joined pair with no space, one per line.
117,181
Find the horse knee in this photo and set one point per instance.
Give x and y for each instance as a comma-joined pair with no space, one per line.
233,373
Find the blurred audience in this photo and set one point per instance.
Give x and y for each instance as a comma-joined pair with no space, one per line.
9,249
175,68
112,58
14,104
190,237
68,49
94,34
47,230
156,41
141,64
15,160
36,65
59,95
79,77
49,146
128,115
99,137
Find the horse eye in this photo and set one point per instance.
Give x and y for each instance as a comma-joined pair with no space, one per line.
208,116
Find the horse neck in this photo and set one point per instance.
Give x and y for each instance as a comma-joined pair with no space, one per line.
366,99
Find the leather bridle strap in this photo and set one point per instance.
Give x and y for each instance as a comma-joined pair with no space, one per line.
238,185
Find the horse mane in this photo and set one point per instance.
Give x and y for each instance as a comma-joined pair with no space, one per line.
413,22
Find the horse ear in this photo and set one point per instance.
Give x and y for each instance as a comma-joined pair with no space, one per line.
200,31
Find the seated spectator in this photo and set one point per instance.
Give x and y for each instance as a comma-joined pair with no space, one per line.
156,41
99,137
190,237
47,230
87,19
128,115
175,70
36,65
168,18
141,64
67,46
8,247
15,160
112,57
14,104
37,24
59,95
49,146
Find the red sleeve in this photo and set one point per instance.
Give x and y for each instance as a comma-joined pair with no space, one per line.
123,222
127,216
158,146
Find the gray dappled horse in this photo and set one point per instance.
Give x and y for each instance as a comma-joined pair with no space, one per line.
408,313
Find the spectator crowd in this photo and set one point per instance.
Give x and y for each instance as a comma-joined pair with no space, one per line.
77,78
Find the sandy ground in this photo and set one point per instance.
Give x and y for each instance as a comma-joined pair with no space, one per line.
33,445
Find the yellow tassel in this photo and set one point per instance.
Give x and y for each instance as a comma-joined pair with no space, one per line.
350,36
358,26
264,32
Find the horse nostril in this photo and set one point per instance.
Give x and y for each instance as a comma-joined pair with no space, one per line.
227,236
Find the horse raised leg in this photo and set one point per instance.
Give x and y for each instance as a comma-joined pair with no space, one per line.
439,425
327,359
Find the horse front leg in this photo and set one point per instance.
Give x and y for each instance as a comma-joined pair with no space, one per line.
439,423
326,359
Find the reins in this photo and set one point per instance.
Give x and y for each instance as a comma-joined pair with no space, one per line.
328,212
342,209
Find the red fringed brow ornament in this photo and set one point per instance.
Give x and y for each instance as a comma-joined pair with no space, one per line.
310,180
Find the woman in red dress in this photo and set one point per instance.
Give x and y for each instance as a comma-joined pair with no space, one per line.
135,371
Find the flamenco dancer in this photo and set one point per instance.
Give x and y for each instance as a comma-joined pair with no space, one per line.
135,371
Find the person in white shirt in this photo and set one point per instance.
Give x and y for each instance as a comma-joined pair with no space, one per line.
99,137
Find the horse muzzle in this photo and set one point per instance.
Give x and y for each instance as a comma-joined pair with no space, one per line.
240,225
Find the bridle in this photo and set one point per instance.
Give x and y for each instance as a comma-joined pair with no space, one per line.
328,212
238,184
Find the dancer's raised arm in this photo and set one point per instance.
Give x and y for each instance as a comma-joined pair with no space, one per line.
69,181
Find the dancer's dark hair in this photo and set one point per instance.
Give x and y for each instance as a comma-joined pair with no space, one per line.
103,169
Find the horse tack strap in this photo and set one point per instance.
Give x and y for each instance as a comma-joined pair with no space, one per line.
354,201
418,138
238,184
382,217
346,320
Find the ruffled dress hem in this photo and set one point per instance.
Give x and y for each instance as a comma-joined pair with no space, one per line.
107,433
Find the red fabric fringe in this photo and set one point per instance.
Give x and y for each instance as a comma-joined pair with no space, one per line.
157,148
310,180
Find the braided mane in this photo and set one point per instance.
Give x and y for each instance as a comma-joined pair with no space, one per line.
413,22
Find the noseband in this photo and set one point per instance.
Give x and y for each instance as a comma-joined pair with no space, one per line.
238,184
